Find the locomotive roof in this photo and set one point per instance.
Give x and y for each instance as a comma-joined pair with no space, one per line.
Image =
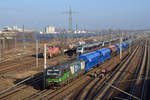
63,65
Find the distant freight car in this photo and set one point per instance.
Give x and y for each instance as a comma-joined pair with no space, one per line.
125,45
118,48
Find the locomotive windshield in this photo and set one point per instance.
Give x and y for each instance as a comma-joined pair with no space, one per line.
79,48
53,72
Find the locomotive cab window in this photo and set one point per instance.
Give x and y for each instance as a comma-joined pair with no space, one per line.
53,72
79,48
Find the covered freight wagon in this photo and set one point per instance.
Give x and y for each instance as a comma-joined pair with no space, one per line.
91,59
125,45
130,42
118,47
104,54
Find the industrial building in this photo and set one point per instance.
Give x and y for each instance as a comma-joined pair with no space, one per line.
50,29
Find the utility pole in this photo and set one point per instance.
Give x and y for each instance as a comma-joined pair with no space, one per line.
0,50
37,53
45,67
3,43
76,32
129,44
62,43
110,31
15,42
23,40
101,35
120,44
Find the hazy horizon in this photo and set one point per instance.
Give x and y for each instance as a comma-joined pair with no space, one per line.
92,14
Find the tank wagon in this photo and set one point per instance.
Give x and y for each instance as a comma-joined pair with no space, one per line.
63,73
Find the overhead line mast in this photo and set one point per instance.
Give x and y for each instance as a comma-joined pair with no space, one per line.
70,30
70,20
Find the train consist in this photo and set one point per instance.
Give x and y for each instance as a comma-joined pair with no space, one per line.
61,74
53,51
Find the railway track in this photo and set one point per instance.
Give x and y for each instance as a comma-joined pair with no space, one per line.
88,90
69,87
126,75
19,65
21,87
49,94
104,89
138,85
12,58
139,74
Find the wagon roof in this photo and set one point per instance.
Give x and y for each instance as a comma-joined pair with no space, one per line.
103,50
89,56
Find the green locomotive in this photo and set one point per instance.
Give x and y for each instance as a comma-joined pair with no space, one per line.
59,75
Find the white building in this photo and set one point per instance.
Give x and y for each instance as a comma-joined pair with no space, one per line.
15,27
80,31
50,29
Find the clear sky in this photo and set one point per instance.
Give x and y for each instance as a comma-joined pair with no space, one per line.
92,14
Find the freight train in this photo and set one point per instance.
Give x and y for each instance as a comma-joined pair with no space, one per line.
61,74
53,51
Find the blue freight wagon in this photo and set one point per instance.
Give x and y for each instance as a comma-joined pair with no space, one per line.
130,41
118,48
104,54
125,45
91,59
